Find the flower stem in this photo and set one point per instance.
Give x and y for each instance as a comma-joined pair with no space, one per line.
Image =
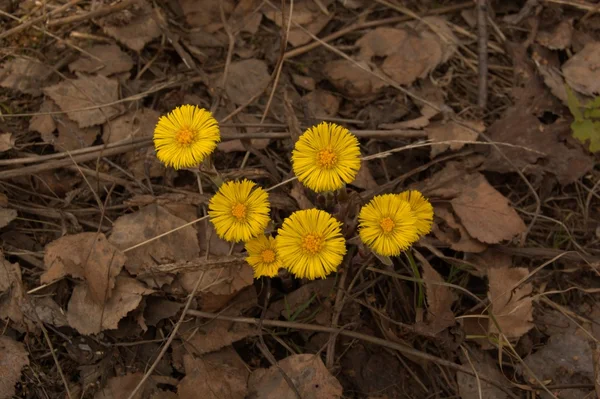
415,269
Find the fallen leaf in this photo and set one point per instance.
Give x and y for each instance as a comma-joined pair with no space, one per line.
297,193
216,375
134,27
246,16
47,310
439,131
439,299
7,216
305,82
511,307
13,296
581,71
490,258
364,179
305,13
88,317
87,256
469,387
453,233
236,145
158,309
122,386
351,79
84,92
200,13
147,223
246,79
485,213
14,358
297,303
321,103
7,142
109,60
204,336
218,286
558,38
309,374
24,75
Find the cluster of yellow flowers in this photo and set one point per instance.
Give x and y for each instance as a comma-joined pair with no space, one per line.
310,243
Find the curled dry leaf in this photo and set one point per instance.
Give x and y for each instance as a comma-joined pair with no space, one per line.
511,306
558,38
12,296
158,309
105,59
581,71
321,103
88,317
309,374
305,13
7,142
216,375
86,92
134,27
439,299
87,256
351,79
7,216
147,223
24,75
14,357
246,79
122,386
439,131
449,230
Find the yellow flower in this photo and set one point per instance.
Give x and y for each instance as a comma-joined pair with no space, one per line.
239,211
326,157
422,210
185,136
310,244
387,225
263,256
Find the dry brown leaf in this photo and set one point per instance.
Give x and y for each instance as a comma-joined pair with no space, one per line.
381,42
297,193
13,296
201,13
483,363
23,75
216,375
439,299
7,216
44,124
351,79
7,142
451,232
246,79
14,357
321,103
318,291
307,14
47,310
147,223
158,309
109,59
218,286
84,92
512,307
439,131
88,256
88,317
236,145
202,336
134,27
559,38
486,260
305,82
310,376
364,179
581,71
246,17
485,213
121,387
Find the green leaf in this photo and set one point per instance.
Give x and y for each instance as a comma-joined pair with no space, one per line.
584,130
574,106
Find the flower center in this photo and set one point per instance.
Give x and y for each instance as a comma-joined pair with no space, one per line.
387,225
312,243
239,211
184,136
268,256
326,158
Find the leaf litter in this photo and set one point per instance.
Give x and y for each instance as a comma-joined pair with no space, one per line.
81,259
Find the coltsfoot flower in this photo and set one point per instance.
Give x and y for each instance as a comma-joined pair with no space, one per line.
422,209
310,244
326,157
186,136
387,225
239,211
263,256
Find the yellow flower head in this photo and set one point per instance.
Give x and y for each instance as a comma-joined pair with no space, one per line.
185,136
421,208
326,157
387,225
310,244
239,211
263,256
